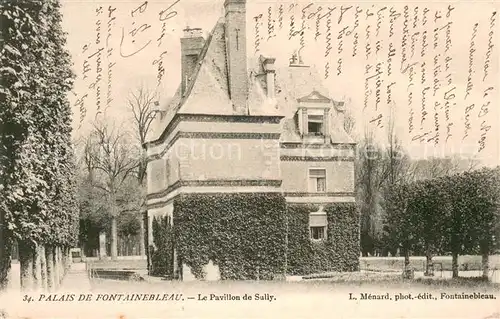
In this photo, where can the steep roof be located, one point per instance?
(296, 82)
(208, 91)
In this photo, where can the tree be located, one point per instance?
(113, 164)
(400, 226)
(434, 167)
(141, 104)
(36, 158)
(482, 202)
(368, 186)
(379, 167)
(430, 208)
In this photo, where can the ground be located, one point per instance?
(319, 298)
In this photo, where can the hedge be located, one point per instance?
(244, 234)
(163, 255)
(339, 252)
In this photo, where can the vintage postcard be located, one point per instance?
(249, 159)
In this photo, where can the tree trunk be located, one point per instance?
(429, 269)
(142, 232)
(49, 259)
(5, 255)
(43, 265)
(67, 259)
(37, 268)
(454, 264)
(102, 245)
(26, 264)
(63, 260)
(57, 270)
(407, 271)
(485, 264)
(59, 266)
(407, 258)
(114, 238)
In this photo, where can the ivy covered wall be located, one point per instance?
(162, 257)
(339, 252)
(243, 234)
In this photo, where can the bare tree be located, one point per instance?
(141, 103)
(434, 167)
(110, 159)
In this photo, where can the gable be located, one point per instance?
(314, 97)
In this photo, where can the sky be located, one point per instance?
(137, 43)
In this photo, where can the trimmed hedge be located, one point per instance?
(244, 234)
(339, 252)
(162, 260)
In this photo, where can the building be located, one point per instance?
(234, 128)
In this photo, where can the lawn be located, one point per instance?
(467, 262)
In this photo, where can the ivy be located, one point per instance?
(244, 234)
(340, 250)
(163, 255)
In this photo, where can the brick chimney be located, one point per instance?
(237, 54)
(191, 45)
(270, 70)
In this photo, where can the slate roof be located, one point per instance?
(208, 92)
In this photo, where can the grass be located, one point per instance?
(467, 262)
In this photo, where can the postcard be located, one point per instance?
(249, 159)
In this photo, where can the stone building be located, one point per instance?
(240, 127)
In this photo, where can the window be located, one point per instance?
(317, 180)
(315, 124)
(318, 232)
(317, 225)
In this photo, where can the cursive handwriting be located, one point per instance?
(161, 70)
(472, 49)
(489, 50)
(271, 33)
(328, 38)
(135, 31)
(258, 37)
(109, 56)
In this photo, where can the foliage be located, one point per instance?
(339, 252)
(378, 168)
(431, 209)
(163, 256)
(458, 213)
(244, 234)
(37, 185)
(108, 187)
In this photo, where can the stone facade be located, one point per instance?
(238, 128)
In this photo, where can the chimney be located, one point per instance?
(340, 112)
(191, 45)
(237, 54)
(270, 70)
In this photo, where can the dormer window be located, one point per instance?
(313, 117)
(315, 124)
